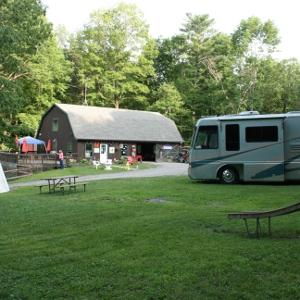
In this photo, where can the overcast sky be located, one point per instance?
(165, 17)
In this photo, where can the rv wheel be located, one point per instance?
(228, 175)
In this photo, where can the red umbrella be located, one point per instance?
(24, 146)
(48, 148)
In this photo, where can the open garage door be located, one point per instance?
(147, 150)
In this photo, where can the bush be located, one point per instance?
(84, 161)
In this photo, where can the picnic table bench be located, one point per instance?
(62, 184)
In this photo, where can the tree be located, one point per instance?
(199, 63)
(113, 58)
(253, 41)
(23, 29)
(168, 102)
(49, 75)
(278, 86)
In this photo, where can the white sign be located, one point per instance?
(96, 150)
(167, 147)
(3, 182)
(111, 150)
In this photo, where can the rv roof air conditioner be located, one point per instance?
(248, 113)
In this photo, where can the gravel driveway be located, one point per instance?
(161, 169)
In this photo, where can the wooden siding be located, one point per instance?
(64, 135)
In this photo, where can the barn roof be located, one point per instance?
(102, 123)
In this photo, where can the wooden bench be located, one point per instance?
(58, 187)
(73, 186)
(264, 214)
(41, 187)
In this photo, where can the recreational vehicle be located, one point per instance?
(246, 147)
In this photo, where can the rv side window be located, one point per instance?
(207, 138)
(232, 137)
(262, 134)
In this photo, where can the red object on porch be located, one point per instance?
(48, 148)
(25, 146)
(139, 158)
(131, 160)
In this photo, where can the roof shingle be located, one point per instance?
(102, 123)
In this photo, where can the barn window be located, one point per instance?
(124, 149)
(88, 150)
(54, 125)
(69, 148)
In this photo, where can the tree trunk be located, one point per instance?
(117, 103)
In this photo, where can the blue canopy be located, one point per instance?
(30, 141)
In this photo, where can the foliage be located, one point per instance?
(113, 58)
(49, 78)
(23, 29)
(216, 73)
(172, 236)
(33, 71)
(168, 101)
(199, 63)
(252, 42)
(113, 61)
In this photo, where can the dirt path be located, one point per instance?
(161, 169)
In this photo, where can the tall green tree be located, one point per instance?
(168, 101)
(113, 58)
(278, 86)
(48, 81)
(23, 29)
(252, 41)
(199, 62)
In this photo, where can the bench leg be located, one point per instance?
(258, 228)
(247, 228)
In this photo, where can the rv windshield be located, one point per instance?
(207, 138)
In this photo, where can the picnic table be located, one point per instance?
(61, 184)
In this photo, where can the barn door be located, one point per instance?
(103, 153)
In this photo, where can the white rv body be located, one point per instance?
(247, 147)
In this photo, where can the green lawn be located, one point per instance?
(112, 243)
(82, 170)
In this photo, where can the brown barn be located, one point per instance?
(107, 133)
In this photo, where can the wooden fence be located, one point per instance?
(17, 165)
(9, 157)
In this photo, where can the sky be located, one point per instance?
(165, 17)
